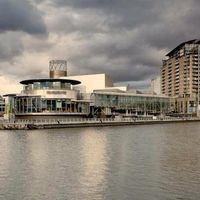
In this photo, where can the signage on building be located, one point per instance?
(57, 92)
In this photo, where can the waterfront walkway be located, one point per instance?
(83, 122)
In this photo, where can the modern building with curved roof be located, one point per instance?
(44, 80)
(176, 50)
(48, 98)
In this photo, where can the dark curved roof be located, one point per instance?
(9, 95)
(182, 44)
(31, 81)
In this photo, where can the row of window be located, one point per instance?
(131, 101)
(47, 85)
(35, 105)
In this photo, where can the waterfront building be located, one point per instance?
(109, 100)
(115, 102)
(64, 97)
(180, 77)
(47, 98)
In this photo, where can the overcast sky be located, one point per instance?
(126, 39)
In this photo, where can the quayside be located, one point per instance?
(75, 123)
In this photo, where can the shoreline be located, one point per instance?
(88, 123)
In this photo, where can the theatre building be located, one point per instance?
(47, 98)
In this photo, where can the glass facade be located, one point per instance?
(57, 85)
(29, 104)
(136, 103)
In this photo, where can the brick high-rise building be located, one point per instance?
(180, 76)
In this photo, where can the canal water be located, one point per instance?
(147, 162)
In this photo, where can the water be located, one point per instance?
(117, 163)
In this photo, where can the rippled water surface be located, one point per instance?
(117, 163)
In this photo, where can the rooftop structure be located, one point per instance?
(49, 80)
(184, 48)
(57, 68)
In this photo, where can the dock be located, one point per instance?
(97, 122)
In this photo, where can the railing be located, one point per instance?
(93, 120)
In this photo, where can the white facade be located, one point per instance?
(91, 82)
(155, 85)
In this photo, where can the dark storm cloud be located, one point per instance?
(125, 38)
(179, 23)
(17, 18)
(161, 23)
(10, 46)
(119, 14)
(20, 15)
(157, 27)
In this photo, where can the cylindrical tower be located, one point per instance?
(57, 68)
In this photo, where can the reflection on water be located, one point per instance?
(93, 159)
(180, 161)
(133, 162)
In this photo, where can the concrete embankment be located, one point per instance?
(88, 123)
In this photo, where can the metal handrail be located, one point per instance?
(92, 120)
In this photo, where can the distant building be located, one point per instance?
(180, 76)
(156, 85)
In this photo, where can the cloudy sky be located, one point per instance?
(126, 39)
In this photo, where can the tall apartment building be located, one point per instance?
(180, 76)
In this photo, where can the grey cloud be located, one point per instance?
(161, 23)
(119, 14)
(179, 23)
(159, 26)
(124, 60)
(125, 38)
(10, 46)
(119, 68)
(20, 15)
(67, 22)
(17, 18)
